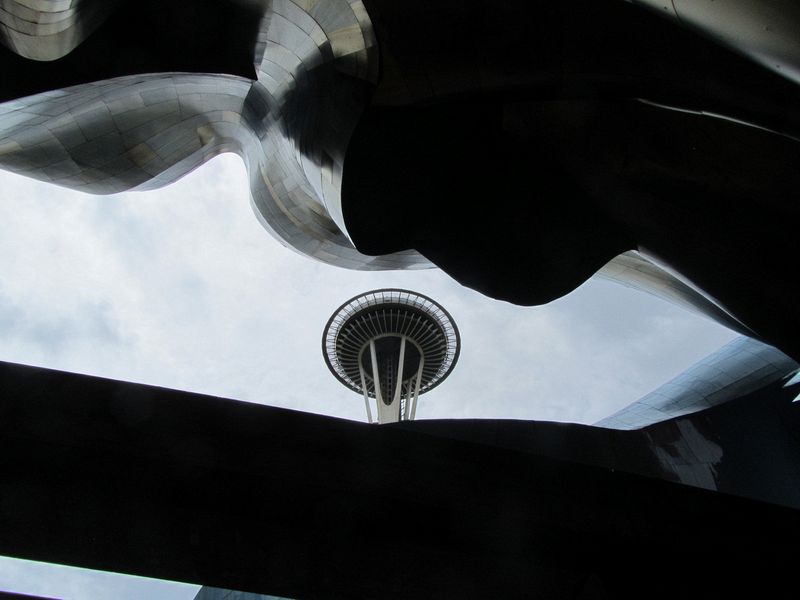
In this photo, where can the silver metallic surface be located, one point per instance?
(210, 593)
(767, 31)
(633, 270)
(738, 368)
(50, 29)
(413, 319)
(315, 64)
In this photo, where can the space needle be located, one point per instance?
(391, 346)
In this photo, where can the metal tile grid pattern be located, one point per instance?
(425, 321)
(50, 29)
(317, 62)
(739, 368)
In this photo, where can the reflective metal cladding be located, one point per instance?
(314, 68)
(318, 67)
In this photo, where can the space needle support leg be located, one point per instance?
(376, 380)
(364, 387)
(398, 388)
(416, 388)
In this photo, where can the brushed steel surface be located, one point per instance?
(316, 63)
(767, 31)
(740, 367)
(50, 29)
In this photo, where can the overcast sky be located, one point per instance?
(182, 288)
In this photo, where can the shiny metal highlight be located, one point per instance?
(50, 29)
(316, 63)
(766, 31)
(735, 370)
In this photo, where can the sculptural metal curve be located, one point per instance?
(317, 68)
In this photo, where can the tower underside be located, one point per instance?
(390, 346)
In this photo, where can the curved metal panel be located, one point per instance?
(763, 30)
(316, 65)
(735, 370)
(50, 29)
(633, 270)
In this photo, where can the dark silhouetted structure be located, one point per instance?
(520, 146)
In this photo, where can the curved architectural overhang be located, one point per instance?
(638, 272)
(50, 29)
(736, 370)
(765, 31)
(316, 65)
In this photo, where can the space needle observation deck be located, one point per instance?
(391, 345)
